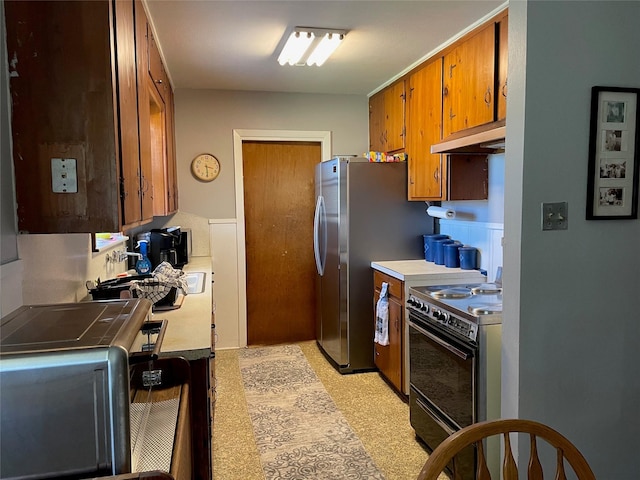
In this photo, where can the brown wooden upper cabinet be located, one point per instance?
(158, 119)
(424, 128)
(463, 86)
(468, 83)
(386, 119)
(81, 152)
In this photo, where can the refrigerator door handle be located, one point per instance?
(318, 222)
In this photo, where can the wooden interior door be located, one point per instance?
(279, 202)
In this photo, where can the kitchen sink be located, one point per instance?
(195, 282)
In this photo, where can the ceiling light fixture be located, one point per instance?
(310, 46)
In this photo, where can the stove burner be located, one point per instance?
(488, 309)
(486, 289)
(455, 292)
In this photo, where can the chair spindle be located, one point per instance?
(560, 475)
(482, 472)
(535, 468)
(509, 468)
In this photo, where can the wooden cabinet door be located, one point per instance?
(468, 93)
(424, 128)
(394, 116)
(388, 358)
(156, 67)
(144, 120)
(128, 101)
(503, 58)
(377, 123)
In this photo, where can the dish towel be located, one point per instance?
(162, 280)
(382, 317)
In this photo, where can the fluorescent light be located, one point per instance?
(325, 48)
(295, 47)
(310, 46)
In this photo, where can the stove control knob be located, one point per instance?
(424, 307)
(445, 317)
(435, 313)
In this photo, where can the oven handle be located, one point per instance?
(435, 416)
(440, 342)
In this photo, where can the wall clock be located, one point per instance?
(205, 167)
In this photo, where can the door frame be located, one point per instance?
(240, 135)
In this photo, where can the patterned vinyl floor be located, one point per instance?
(377, 416)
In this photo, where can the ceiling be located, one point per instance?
(234, 44)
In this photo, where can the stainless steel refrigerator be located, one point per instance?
(362, 215)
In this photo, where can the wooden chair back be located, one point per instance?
(445, 453)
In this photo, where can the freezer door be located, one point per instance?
(332, 308)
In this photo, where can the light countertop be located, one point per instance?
(189, 330)
(421, 270)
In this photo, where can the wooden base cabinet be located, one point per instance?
(389, 358)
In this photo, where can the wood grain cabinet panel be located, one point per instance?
(424, 128)
(156, 120)
(377, 141)
(74, 91)
(387, 119)
(79, 92)
(394, 102)
(469, 74)
(388, 358)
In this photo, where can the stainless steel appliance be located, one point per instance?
(454, 345)
(74, 378)
(361, 215)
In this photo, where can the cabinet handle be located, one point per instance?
(445, 91)
(451, 114)
(159, 81)
(436, 175)
(504, 88)
(487, 97)
(451, 67)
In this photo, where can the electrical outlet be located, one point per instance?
(64, 175)
(555, 216)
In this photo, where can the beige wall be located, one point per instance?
(205, 120)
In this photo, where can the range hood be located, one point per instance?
(484, 139)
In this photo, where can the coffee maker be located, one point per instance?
(168, 245)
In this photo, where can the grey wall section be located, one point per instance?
(573, 322)
(205, 120)
(8, 241)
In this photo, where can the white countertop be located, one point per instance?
(189, 330)
(420, 270)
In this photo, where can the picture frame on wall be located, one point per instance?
(612, 188)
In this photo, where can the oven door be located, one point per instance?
(443, 381)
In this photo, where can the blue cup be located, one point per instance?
(452, 255)
(468, 258)
(438, 249)
(428, 245)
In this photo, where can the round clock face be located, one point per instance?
(205, 167)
